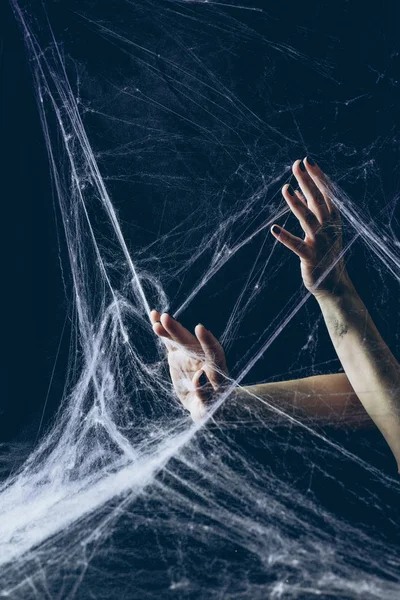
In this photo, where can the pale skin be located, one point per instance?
(367, 392)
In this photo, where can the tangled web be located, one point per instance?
(170, 128)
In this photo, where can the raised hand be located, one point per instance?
(321, 223)
(196, 362)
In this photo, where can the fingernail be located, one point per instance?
(203, 379)
(202, 325)
(290, 190)
(168, 315)
(310, 161)
(275, 229)
(158, 322)
(302, 167)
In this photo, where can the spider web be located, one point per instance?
(170, 129)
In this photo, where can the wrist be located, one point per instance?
(342, 288)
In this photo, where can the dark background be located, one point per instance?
(340, 106)
(348, 116)
(32, 299)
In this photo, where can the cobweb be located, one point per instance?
(170, 129)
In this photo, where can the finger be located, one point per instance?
(160, 331)
(158, 327)
(196, 404)
(320, 180)
(203, 387)
(306, 217)
(178, 333)
(214, 355)
(154, 316)
(297, 245)
(315, 199)
(300, 196)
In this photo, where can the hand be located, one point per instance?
(196, 362)
(321, 223)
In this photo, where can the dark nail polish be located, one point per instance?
(302, 167)
(276, 229)
(203, 379)
(158, 322)
(310, 161)
(290, 190)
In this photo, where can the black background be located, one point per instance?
(32, 304)
(345, 104)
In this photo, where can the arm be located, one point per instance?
(371, 369)
(330, 398)
(370, 366)
(372, 373)
(327, 397)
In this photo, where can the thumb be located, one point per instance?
(198, 403)
(215, 363)
(203, 387)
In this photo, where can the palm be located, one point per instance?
(323, 251)
(183, 369)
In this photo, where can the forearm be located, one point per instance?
(371, 368)
(328, 398)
